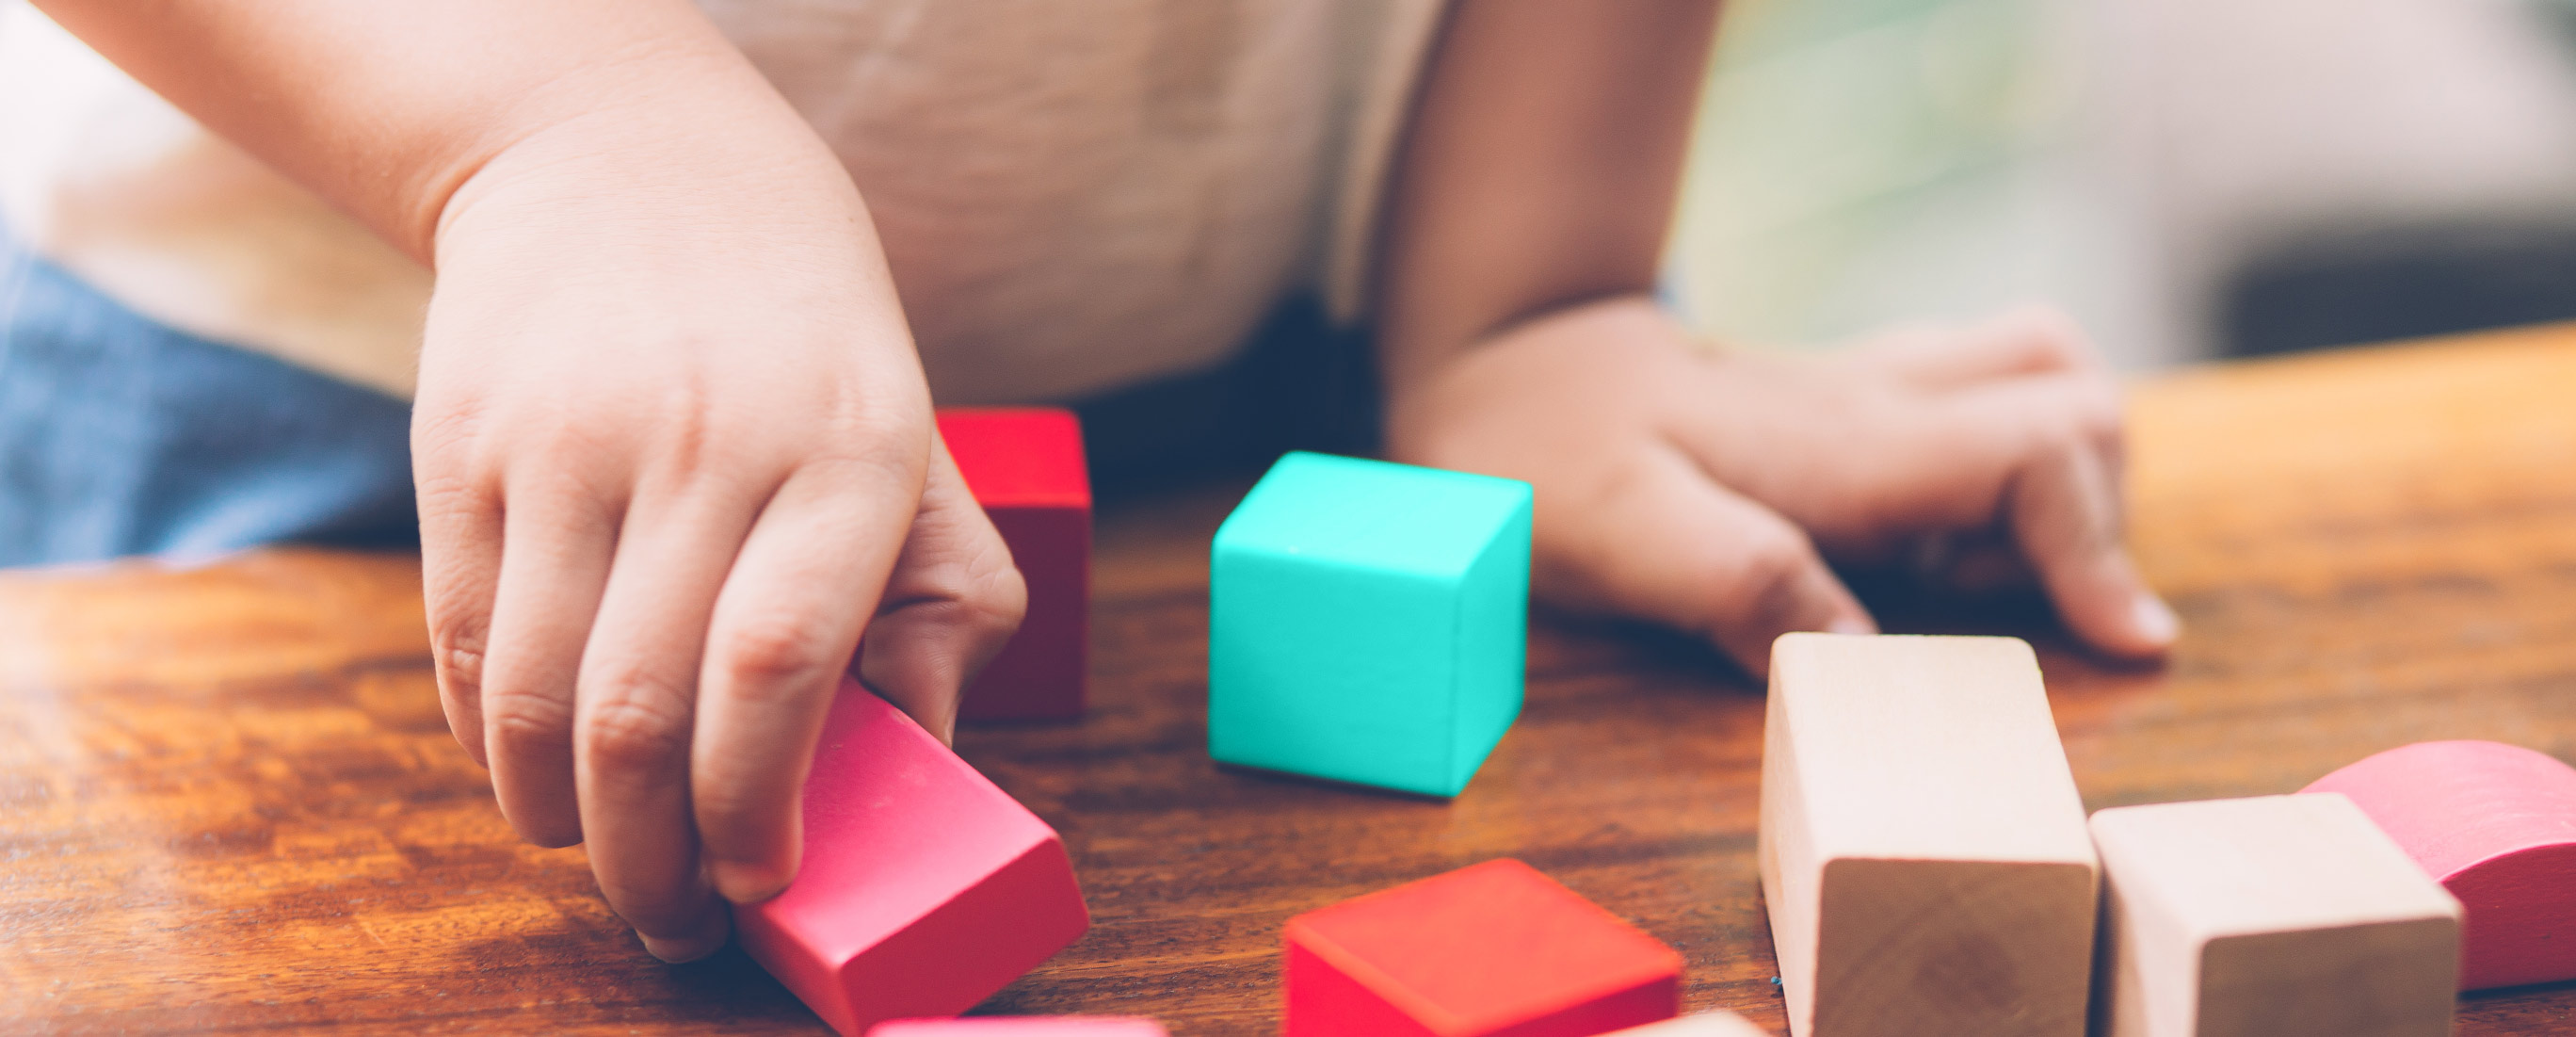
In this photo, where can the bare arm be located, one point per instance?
(1542, 169)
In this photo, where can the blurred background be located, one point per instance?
(2190, 178)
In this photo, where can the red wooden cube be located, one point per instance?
(924, 887)
(1492, 950)
(1025, 466)
(1024, 1026)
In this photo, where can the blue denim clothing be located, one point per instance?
(119, 436)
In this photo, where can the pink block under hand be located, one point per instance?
(924, 887)
(2496, 825)
(1024, 1026)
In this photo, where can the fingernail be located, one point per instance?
(2155, 620)
(743, 882)
(1851, 625)
(682, 950)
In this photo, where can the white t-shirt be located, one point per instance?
(1072, 195)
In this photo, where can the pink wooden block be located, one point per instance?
(2496, 825)
(924, 887)
(1024, 1026)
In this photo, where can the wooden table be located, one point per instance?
(227, 799)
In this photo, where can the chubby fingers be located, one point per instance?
(460, 553)
(784, 627)
(955, 599)
(1664, 541)
(637, 703)
(559, 543)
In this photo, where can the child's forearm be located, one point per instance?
(1541, 169)
(387, 109)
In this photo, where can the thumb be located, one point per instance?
(1670, 544)
(953, 601)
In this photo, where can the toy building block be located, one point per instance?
(924, 887)
(1366, 622)
(1025, 466)
(1024, 1026)
(2496, 825)
(2277, 916)
(1490, 949)
(1922, 847)
(1705, 1024)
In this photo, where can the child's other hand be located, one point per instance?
(672, 442)
(1705, 489)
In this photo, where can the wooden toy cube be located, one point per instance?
(2495, 824)
(1704, 1024)
(1491, 949)
(1025, 466)
(1922, 847)
(1023, 1026)
(923, 889)
(1366, 622)
(2277, 916)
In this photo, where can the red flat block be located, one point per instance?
(1024, 1026)
(1492, 950)
(1025, 466)
(924, 887)
(2496, 825)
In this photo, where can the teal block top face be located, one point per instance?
(1367, 622)
(1374, 514)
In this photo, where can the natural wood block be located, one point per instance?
(1922, 846)
(1492, 950)
(2495, 824)
(1026, 466)
(2277, 916)
(1023, 1026)
(924, 887)
(1704, 1024)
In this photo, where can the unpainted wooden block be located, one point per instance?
(1491, 950)
(1023, 1026)
(2276, 916)
(1026, 466)
(1704, 1024)
(2495, 824)
(924, 887)
(1923, 851)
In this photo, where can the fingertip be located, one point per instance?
(2154, 622)
(749, 882)
(683, 950)
(714, 925)
(1859, 624)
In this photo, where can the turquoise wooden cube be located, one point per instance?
(1367, 621)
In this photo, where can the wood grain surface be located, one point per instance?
(228, 801)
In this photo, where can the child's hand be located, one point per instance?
(1699, 488)
(672, 442)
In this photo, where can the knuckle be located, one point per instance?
(519, 717)
(457, 656)
(443, 430)
(998, 603)
(731, 804)
(775, 650)
(632, 730)
(1766, 570)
